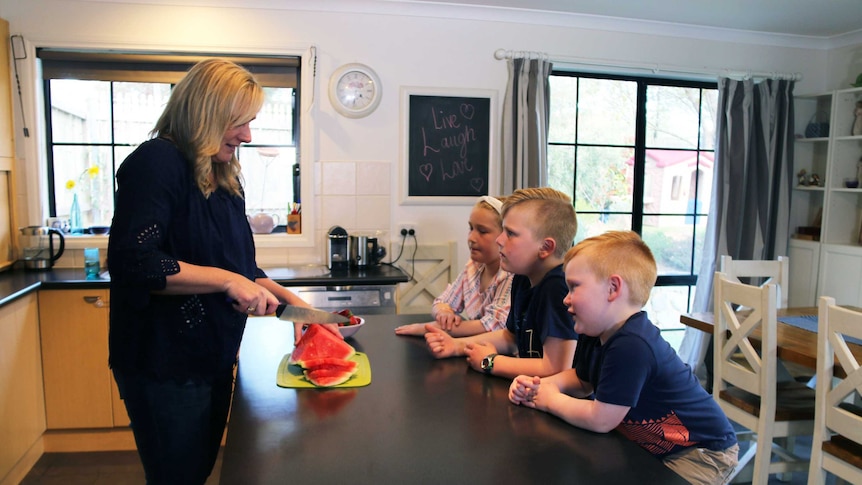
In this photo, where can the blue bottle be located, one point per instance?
(75, 223)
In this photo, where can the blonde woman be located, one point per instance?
(183, 272)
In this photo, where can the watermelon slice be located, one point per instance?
(319, 343)
(330, 363)
(327, 377)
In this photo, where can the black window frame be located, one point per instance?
(640, 150)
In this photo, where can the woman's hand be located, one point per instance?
(249, 297)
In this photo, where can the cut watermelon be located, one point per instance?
(327, 377)
(319, 343)
(330, 363)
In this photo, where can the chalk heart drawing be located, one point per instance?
(477, 184)
(468, 111)
(425, 169)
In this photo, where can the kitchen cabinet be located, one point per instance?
(22, 404)
(7, 155)
(79, 389)
(830, 264)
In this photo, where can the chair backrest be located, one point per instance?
(836, 395)
(737, 362)
(768, 271)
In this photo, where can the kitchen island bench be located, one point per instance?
(420, 420)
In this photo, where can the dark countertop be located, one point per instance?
(18, 282)
(420, 421)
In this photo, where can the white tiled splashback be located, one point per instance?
(354, 195)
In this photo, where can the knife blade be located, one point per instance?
(308, 315)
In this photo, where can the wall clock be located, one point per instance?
(355, 90)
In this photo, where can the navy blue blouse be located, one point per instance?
(160, 218)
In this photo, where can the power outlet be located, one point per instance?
(407, 229)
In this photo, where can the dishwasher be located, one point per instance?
(361, 300)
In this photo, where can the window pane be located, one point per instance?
(561, 168)
(672, 117)
(80, 111)
(274, 123)
(563, 109)
(665, 305)
(675, 179)
(670, 238)
(268, 179)
(85, 171)
(604, 179)
(607, 112)
(708, 109)
(137, 107)
(591, 224)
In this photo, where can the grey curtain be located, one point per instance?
(749, 214)
(525, 125)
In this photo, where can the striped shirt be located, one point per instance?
(464, 296)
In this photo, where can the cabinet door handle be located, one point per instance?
(95, 300)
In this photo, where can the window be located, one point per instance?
(636, 153)
(100, 106)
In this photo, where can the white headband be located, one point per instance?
(493, 202)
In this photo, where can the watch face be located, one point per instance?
(356, 90)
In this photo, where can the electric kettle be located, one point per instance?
(365, 252)
(37, 245)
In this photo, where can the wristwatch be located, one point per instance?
(488, 363)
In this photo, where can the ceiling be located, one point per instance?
(809, 18)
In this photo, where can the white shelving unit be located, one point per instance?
(833, 265)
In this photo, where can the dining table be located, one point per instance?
(796, 333)
(419, 420)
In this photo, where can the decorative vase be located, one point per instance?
(76, 225)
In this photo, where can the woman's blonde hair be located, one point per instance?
(553, 215)
(622, 253)
(214, 96)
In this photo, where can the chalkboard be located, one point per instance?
(449, 146)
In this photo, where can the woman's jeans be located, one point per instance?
(178, 426)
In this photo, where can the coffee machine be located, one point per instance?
(337, 249)
(37, 245)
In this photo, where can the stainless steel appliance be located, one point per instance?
(361, 300)
(364, 251)
(37, 246)
(337, 249)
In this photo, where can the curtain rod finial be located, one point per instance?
(500, 54)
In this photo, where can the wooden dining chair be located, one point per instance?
(745, 381)
(837, 444)
(775, 271)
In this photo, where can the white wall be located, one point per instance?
(424, 49)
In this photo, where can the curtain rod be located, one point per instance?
(501, 54)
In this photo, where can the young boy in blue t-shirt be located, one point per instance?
(626, 376)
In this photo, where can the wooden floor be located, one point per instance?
(98, 468)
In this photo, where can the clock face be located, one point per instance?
(354, 90)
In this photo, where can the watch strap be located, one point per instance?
(490, 366)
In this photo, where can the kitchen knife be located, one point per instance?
(308, 315)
